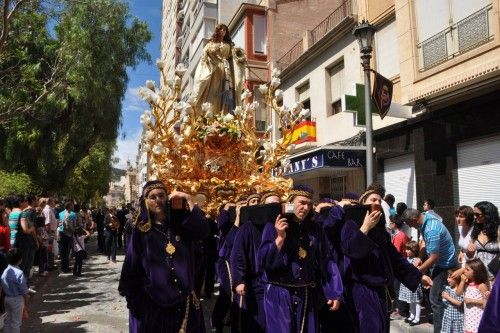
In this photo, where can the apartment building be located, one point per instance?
(322, 71)
(449, 57)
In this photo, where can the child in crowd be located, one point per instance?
(475, 279)
(15, 288)
(405, 294)
(79, 250)
(453, 317)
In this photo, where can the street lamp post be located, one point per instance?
(364, 32)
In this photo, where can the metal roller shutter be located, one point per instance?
(399, 179)
(479, 171)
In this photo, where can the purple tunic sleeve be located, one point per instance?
(238, 256)
(196, 224)
(270, 258)
(131, 278)
(490, 321)
(355, 244)
(223, 222)
(404, 271)
(332, 281)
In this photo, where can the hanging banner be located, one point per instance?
(382, 94)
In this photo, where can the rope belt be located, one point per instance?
(306, 287)
(196, 303)
(289, 285)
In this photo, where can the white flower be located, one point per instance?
(181, 106)
(168, 164)
(185, 157)
(150, 85)
(263, 89)
(149, 134)
(275, 82)
(180, 69)
(209, 114)
(238, 110)
(228, 117)
(305, 113)
(145, 119)
(206, 107)
(178, 139)
(147, 146)
(278, 93)
(253, 106)
(158, 149)
(267, 146)
(246, 94)
(163, 94)
(160, 64)
(188, 109)
(276, 72)
(170, 83)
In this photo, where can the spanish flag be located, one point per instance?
(304, 131)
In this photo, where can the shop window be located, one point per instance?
(337, 187)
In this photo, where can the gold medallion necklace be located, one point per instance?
(170, 247)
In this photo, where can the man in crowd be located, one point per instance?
(440, 250)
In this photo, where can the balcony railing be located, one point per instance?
(457, 39)
(331, 21)
(318, 32)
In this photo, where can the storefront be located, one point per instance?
(330, 170)
(451, 154)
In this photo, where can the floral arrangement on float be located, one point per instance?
(212, 155)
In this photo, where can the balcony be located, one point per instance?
(317, 33)
(457, 39)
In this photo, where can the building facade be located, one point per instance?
(449, 150)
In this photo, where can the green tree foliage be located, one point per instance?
(16, 183)
(65, 88)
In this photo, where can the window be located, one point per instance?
(387, 50)
(261, 115)
(302, 96)
(336, 87)
(337, 187)
(238, 36)
(259, 34)
(448, 28)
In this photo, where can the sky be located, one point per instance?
(132, 105)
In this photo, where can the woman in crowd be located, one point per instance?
(484, 237)
(157, 277)
(464, 215)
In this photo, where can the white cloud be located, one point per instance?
(127, 149)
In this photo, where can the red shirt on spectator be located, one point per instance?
(4, 238)
(399, 241)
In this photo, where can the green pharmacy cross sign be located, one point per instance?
(356, 104)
